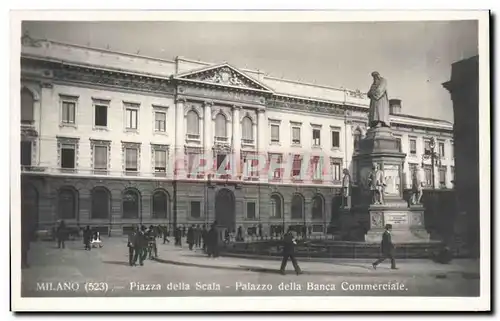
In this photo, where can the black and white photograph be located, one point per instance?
(237, 156)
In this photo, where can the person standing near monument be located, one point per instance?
(378, 115)
(387, 248)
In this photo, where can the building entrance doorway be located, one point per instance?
(225, 211)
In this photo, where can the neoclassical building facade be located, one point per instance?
(112, 139)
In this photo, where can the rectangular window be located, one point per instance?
(452, 150)
(413, 170)
(316, 137)
(160, 121)
(413, 146)
(195, 209)
(131, 118)
(452, 174)
(441, 149)
(427, 145)
(250, 163)
(428, 175)
(68, 156)
(101, 158)
(296, 166)
(251, 210)
(335, 139)
(278, 159)
(398, 144)
(442, 176)
(101, 116)
(275, 133)
(131, 159)
(68, 112)
(160, 161)
(26, 153)
(336, 164)
(296, 135)
(317, 166)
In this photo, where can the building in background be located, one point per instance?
(111, 139)
(464, 91)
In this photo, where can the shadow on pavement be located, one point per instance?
(116, 263)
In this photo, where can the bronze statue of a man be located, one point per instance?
(376, 184)
(378, 115)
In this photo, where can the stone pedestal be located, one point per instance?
(407, 224)
(380, 147)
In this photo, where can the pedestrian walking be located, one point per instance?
(387, 248)
(289, 252)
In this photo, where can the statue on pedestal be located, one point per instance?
(416, 187)
(346, 189)
(376, 183)
(378, 115)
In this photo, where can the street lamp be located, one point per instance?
(434, 157)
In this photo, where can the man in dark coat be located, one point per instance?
(387, 248)
(61, 234)
(204, 235)
(289, 252)
(130, 244)
(213, 242)
(140, 246)
(190, 237)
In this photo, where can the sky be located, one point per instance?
(414, 57)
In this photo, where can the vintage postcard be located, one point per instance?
(250, 161)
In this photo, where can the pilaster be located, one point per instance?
(236, 141)
(179, 138)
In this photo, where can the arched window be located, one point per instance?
(193, 123)
(67, 203)
(27, 106)
(130, 204)
(220, 125)
(101, 203)
(247, 128)
(297, 206)
(160, 204)
(357, 138)
(317, 207)
(276, 206)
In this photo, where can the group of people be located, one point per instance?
(142, 243)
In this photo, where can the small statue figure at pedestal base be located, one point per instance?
(346, 189)
(376, 183)
(417, 188)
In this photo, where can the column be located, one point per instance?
(179, 138)
(235, 166)
(208, 135)
(262, 130)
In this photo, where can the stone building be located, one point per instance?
(464, 92)
(109, 139)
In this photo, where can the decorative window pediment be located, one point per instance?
(225, 75)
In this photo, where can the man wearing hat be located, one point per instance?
(387, 248)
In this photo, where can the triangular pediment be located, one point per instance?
(225, 75)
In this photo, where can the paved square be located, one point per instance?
(73, 272)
